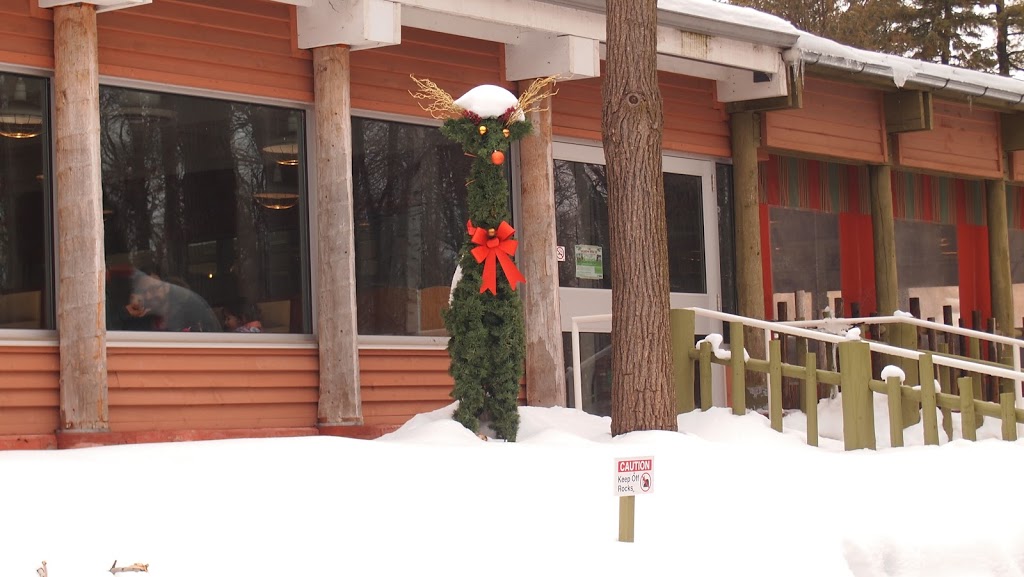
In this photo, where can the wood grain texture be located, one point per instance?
(81, 322)
(965, 140)
(26, 34)
(545, 362)
(336, 299)
(837, 120)
(29, 391)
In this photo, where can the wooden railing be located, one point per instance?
(692, 366)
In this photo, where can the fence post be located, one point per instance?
(894, 394)
(739, 369)
(855, 380)
(705, 376)
(967, 413)
(927, 372)
(775, 384)
(682, 323)
(1009, 416)
(811, 398)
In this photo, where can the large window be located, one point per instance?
(25, 247)
(410, 213)
(805, 260)
(927, 267)
(204, 205)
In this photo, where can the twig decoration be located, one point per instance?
(134, 567)
(440, 103)
(42, 572)
(529, 101)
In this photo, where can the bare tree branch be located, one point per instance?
(134, 567)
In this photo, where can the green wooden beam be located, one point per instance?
(908, 111)
(1013, 132)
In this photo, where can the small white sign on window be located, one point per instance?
(589, 263)
(560, 253)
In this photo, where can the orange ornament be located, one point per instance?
(498, 157)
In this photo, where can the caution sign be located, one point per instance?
(633, 476)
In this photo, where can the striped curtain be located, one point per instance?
(1015, 206)
(938, 199)
(813, 185)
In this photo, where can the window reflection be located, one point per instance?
(805, 259)
(927, 267)
(581, 212)
(204, 214)
(25, 249)
(410, 212)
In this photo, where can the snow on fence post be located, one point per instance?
(738, 367)
(894, 392)
(1009, 415)
(855, 380)
(967, 412)
(811, 397)
(926, 372)
(682, 323)
(775, 383)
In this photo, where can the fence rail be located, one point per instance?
(939, 390)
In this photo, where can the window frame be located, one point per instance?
(155, 339)
(42, 337)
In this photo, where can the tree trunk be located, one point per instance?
(643, 397)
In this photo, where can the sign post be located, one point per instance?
(632, 478)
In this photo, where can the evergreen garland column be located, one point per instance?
(487, 342)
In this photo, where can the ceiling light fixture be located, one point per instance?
(19, 119)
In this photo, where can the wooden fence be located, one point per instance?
(853, 377)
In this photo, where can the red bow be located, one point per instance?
(495, 245)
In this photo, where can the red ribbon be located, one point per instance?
(500, 247)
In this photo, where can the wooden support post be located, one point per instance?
(745, 137)
(627, 518)
(894, 394)
(884, 238)
(858, 411)
(999, 257)
(927, 371)
(775, 384)
(739, 371)
(811, 398)
(682, 323)
(967, 412)
(337, 336)
(81, 322)
(545, 363)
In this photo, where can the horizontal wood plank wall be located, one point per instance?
(380, 77)
(1017, 166)
(694, 121)
(243, 46)
(29, 390)
(965, 140)
(395, 385)
(837, 120)
(26, 34)
(183, 389)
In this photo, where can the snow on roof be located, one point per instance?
(814, 50)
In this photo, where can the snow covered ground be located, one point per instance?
(730, 497)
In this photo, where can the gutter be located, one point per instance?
(919, 80)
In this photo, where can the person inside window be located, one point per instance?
(242, 318)
(176, 308)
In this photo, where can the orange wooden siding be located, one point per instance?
(380, 77)
(241, 46)
(397, 384)
(1017, 166)
(26, 33)
(694, 121)
(172, 389)
(29, 390)
(965, 140)
(837, 120)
